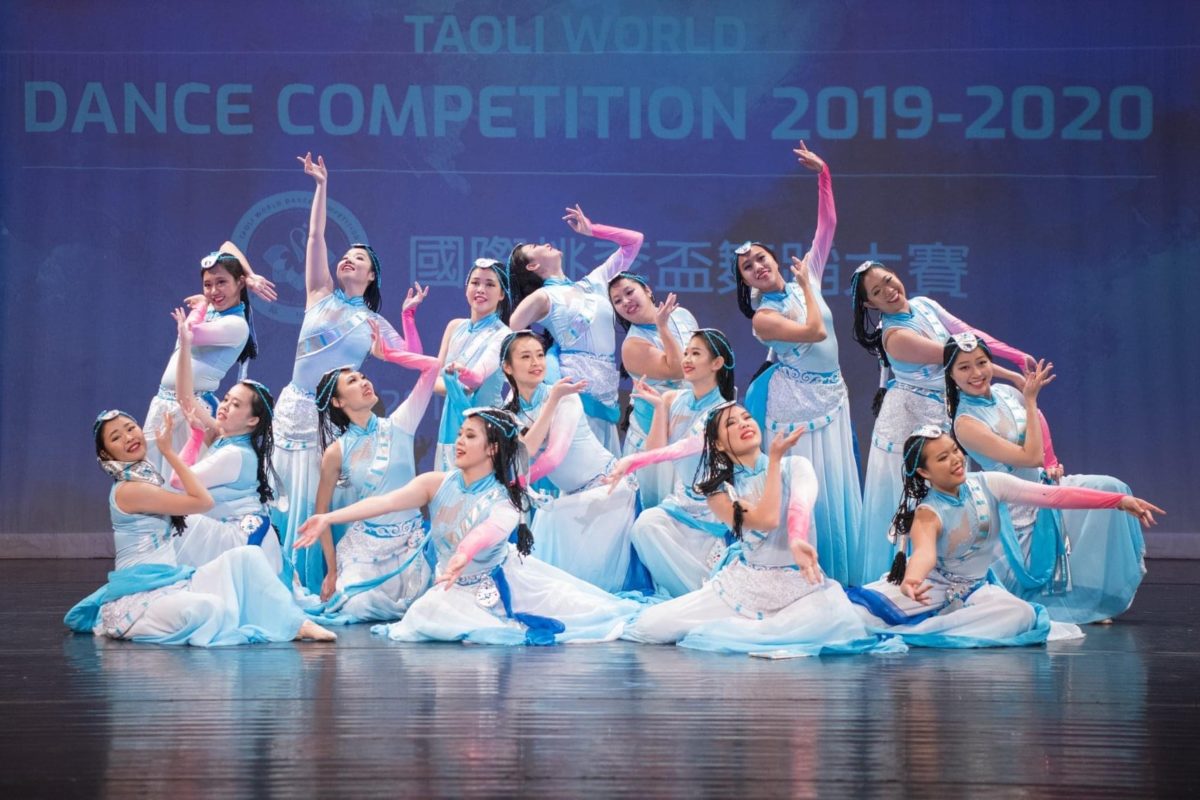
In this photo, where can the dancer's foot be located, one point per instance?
(313, 631)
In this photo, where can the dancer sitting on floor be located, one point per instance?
(576, 315)
(585, 530)
(487, 591)
(1082, 565)
(233, 599)
(653, 352)
(236, 469)
(770, 595)
(382, 564)
(943, 596)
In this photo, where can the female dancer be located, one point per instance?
(222, 333)
(941, 596)
(653, 351)
(471, 353)
(909, 339)
(993, 423)
(576, 315)
(334, 332)
(804, 387)
(236, 468)
(488, 594)
(234, 599)
(381, 564)
(770, 594)
(680, 541)
(585, 530)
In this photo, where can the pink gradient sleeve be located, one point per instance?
(630, 243)
(1019, 492)
(408, 323)
(998, 348)
(690, 446)
(802, 495)
(826, 225)
(491, 531)
(393, 339)
(1048, 458)
(558, 441)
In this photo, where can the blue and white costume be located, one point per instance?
(1103, 548)
(233, 599)
(335, 333)
(804, 389)
(383, 562)
(230, 473)
(585, 530)
(680, 541)
(965, 608)
(224, 337)
(759, 600)
(476, 346)
(654, 482)
(500, 597)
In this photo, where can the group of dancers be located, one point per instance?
(553, 517)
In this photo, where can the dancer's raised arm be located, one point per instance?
(318, 280)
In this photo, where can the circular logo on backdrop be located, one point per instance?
(274, 234)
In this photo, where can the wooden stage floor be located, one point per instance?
(1117, 715)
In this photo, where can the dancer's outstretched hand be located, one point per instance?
(316, 169)
(578, 221)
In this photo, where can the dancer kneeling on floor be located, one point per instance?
(943, 595)
(149, 597)
(487, 591)
(770, 594)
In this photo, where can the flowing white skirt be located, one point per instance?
(588, 534)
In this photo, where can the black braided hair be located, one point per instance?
(514, 401)
(949, 353)
(262, 438)
(524, 282)
(915, 490)
(504, 466)
(372, 296)
(332, 421)
(230, 264)
(716, 467)
(866, 332)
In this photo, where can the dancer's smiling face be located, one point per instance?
(355, 272)
(883, 290)
(632, 300)
(121, 439)
(484, 291)
(221, 290)
(738, 434)
(972, 372)
(943, 464)
(699, 363)
(759, 269)
(525, 361)
(471, 448)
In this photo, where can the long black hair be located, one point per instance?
(514, 401)
(372, 297)
(716, 467)
(867, 332)
(332, 421)
(262, 438)
(915, 490)
(718, 344)
(744, 299)
(178, 523)
(950, 352)
(523, 281)
(503, 433)
(233, 266)
(505, 306)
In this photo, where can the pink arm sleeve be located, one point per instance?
(690, 446)
(393, 339)
(1048, 458)
(802, 495)
(998, 348)
(826, 225)
(408, 414)
(630, 242)
(491, 531)
(220, 332)
(1014, 490)
(191, 450)
(408, 323)
(558, 441)
(488, 363)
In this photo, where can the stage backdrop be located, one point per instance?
(1031, 166)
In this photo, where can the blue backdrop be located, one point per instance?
(1032, 166)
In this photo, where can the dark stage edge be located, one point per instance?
(1117, 715)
